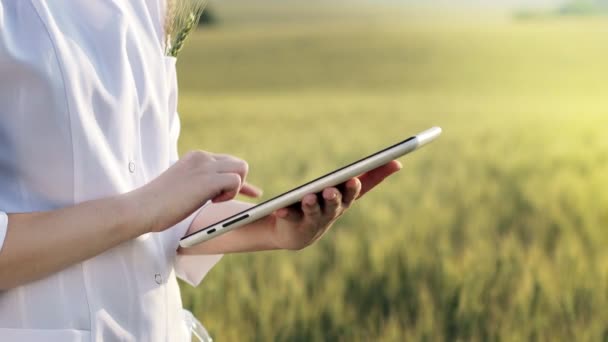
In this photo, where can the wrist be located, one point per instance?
(132, 208)
(273, 236)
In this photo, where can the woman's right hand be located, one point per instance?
(41, 243)
(192, 181)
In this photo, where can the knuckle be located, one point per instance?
(234, 180)
(187, 158)
(244, 166)
(339, 197)
(197, 157)
(190, 155)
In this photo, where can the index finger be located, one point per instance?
(250, 190)
(370, 179)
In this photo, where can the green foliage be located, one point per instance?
(578, 8)
(570, 8)
(582, 7)
(207, 17)
(497, 231)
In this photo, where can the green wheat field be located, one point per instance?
(498, 231)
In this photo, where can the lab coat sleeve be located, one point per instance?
(193, 268)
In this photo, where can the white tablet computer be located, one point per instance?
(291, 197)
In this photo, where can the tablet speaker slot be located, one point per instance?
(211, 231)
(230, 223)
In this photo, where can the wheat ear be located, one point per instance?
(181, 36)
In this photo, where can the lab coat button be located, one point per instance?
(158, 278)
(131, 167)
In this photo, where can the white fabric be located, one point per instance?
(189, 270)
(3, 227)
(88, 110)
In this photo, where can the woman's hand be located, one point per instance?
(299, 226)
(289, 228)
(192, 181)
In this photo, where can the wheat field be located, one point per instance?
(498, 231)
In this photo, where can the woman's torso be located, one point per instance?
(86, 103)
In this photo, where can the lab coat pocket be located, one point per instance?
(47, 335)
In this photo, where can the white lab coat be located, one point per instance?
(88, 110)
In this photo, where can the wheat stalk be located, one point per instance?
(181, 18)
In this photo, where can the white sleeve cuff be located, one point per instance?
(193, 268)
(3, 228)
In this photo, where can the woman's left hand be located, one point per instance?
(299, 226)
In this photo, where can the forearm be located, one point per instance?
(38, 244)
(256, 236)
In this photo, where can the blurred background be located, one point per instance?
(497, 231)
